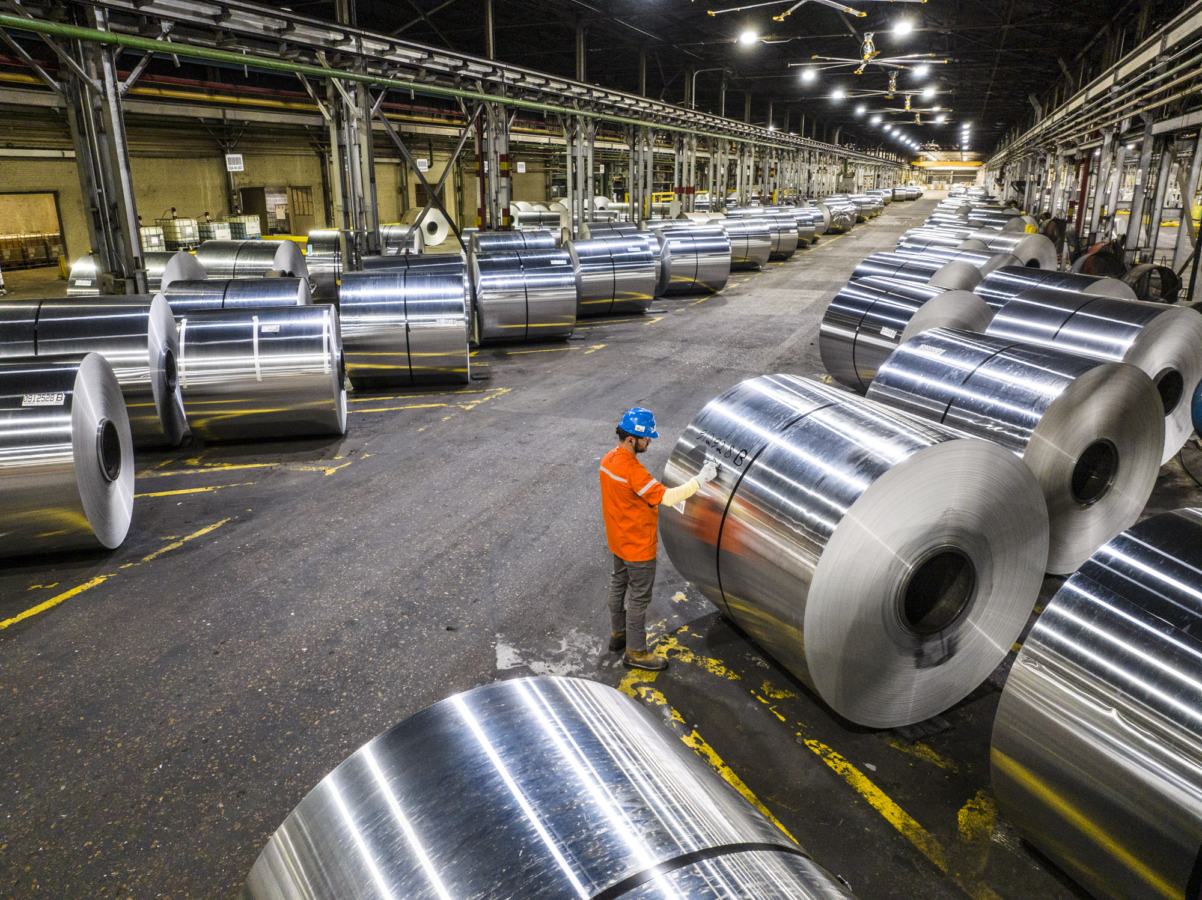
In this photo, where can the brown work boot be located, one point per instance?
(617, 641)
(641, 659)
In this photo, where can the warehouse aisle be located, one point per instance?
(275, 606)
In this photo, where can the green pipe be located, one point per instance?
(149, 45)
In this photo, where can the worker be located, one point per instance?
(630, 501)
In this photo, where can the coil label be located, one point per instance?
(269, 329)
(889, 332)
(57, 399)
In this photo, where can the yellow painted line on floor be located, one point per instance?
(199, 490)
(175, 546)
(611, 322)
(423, 396)
(975, 820)
(53, 601)
(919, 750)
(395, 408)
(206, 469)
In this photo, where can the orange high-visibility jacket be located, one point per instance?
(630, 503)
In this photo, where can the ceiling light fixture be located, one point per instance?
(939, 120)
(748, 37)
(808, 75)
(903, 27)
(875, 120)
(928, 92)
(860, 110)
(920, 71)
(838, 94)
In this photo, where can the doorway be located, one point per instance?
(31, 230)
(282, 209)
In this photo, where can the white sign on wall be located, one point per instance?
(233, 162)
(521, 168)
(423, 165)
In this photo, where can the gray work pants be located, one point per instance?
(630, 615)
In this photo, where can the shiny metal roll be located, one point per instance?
(1033, 250)
(84, 278)
(1095, 755)
(536, 219)
(524, 295)
(251, 259)
(137, 336)
(920, 269)
(984, 263)
(496, 241)
(398, 239)
(782, 228)
(562, 787)
(190, 296)
(262, 373)
(613, 275)
(841, 215)
(591, 230)
(750, 241)
(66, 457)
(323, 260)
(810, 223)
(164, 268)
(1089, 430)
(888, 563)
(1164, 341)
(886, 197)
(918, 240)
(698, 259)
(19, 327)
(869, 319)
(404, 326)
(1002, 285)
(870, 207)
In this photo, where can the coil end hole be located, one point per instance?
(939, 590)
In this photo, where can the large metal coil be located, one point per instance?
(870, 206)
(1164, 341)
(984, 263)
(750, 241)
(919, 240)
(66, 457)
(1032, 250)
(1095, 751)
(536, 218)
(263, 373)
(498, 241)
(920, 269)
(405, 326)
(591, 230)
(1089, 430)
(1003, 284)
(885, 196)
(135, 334)
(432, 263)
(888, 563)
(869, 319)
(782, 225)
(251, 259)
(693, 259)
(561, 787)
(397, 238)
(84, 278)
(323, 259)
(613, 275)
(524, 295)
(840, 215)
(190, 296)
(810, 223)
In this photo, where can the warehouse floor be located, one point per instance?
(275, 606)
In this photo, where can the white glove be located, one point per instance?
(708, 472)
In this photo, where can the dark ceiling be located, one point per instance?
(1000, 54)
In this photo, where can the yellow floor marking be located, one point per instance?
(326, 470)
(193, 536)
(669, 646)
(1016, 647)
(396, 408)
(33, 586)
(1074, 818)
(926, 754)
(422, 396)
(199, 490)
(777, 693)
(206, 469)
(593, 349)
(976, 820)
(53, 601)
(611, 322)
(545, 350)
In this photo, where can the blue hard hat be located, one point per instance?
(639, 422)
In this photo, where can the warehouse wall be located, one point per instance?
(51, 175)
(22, 213)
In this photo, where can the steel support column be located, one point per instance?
(1143, 171)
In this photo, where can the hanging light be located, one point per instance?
(875, 120)
(940, 119)
(838, 94)
(808, 75)
(860, 110)
(928, 92)
(921, 70)
(748, 37)
(903, 27)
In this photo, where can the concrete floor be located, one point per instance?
(276, 606)
(41, 283)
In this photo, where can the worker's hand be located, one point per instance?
(708, 472)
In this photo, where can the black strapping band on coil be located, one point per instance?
(614, 891)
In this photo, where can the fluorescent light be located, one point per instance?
(838, 94)
(875, 120)
(939, 120)
(929, 91)
(903, 27)
(921, 70)
(860, 110)
(748, 37)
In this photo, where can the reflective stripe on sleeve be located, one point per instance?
(647, 485)
(615, 477)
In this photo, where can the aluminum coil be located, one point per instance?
(398, 239)
(782, 226)
(591, 230)
(984, 263)
(1164, 341)
(919, 269)
(869, 319)
(1088, 429)
(66, 457)
(841, 215)
(251, 259)
(405, 327)
(497, 241)
(613, 275)
(137, 336)
(84, 278)
(1095, 744)
(431, 263)
(323, 259)
(750, 241)
(164, 268)
(695, 259)
(886, 562)
(262, 374)
(536, 219)
(526, 295)
(191, 296)
(810, 223)
(1002, 285)
(919, 240)
(561, 787)
(1033, 250)
(869, 207)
